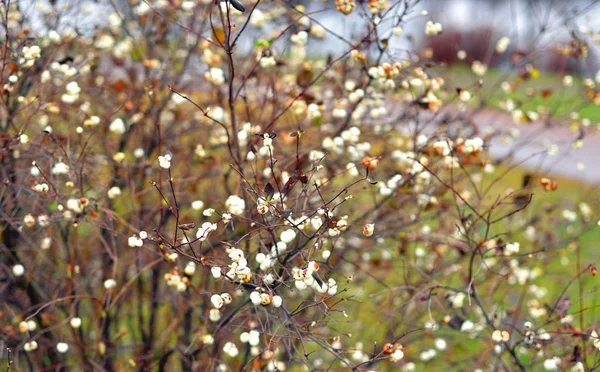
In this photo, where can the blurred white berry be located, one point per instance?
(190, 268)
(117, 126)
(235, 204)
(18, 270)
(30, 346)
(113, 192)
(217, 301)
(255, 298)
(287, 236)
(277, 301)
(433, 28)
(368, 229)
(60, 168)
(110, 283)
(164, 161)
(214, 315)
(75, 322)
(62, 347)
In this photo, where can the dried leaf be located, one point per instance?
(187, 226)
(219, 35)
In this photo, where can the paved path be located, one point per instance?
(530, 147)
(535, 138)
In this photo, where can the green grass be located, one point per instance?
(561, 102)
(373, 310)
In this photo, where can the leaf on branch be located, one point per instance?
(288, 185)
(187, 226)
(219, 35)
(237, 5)
(269, 191)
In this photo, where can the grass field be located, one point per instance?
(560, 263)
(543, 89)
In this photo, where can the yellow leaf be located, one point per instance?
(219, 35)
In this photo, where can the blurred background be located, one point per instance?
(470, 25)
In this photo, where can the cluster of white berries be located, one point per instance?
(428, 355)
(267, 149)
(239, 266)
(30, 54)
(76, 205)
(215, 76)
(262, 298)
(393, 351)
(354, 94)
(30, 346)
(299, 38)
(258, 19)
(377, 6)
(164, 161)
(60, 168)
(180, 283)
(433, 28)
(511, 248)
(267, 62)
(267, 261)
(27, 326)
(137, 240)
(471, 145)
(536, 310)
(305, 278)
(500, 336)
(443, 147)
(384, 74)
(230, 349)
(220, 300)
(348, 140)
(72, 93)
(235, 205)
(552, 364)
(205, 229)
(479, 68)
(252, 338)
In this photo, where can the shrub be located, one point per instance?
(170, 203)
